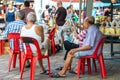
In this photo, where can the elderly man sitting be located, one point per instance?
(15, 26)
(90, 42)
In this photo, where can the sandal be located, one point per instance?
(56, 75)
(59, 68)
(73, 72)
(43, 72)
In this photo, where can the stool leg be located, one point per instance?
(53, 46)
(22, 67)
(14, 60)
(95, 65)
(20, 62)
(33, 67)
(49, 70)
(83, 66)
(79, 67)
(89, 66)
(102, 66)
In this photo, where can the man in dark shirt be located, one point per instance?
(60, 19)
(60, 14)
(27, 9)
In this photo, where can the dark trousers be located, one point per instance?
(68, 46)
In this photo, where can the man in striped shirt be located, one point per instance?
(15, 26)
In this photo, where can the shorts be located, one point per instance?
(60, 33)
(79, 54)
(61, 30)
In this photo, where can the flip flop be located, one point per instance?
(43, 72)
(59, 68)
(56, 75)
(73, 72)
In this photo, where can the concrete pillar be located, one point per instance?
(89, 5)
(37, 8)
(80, 10)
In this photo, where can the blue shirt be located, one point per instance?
(68, 37)
(14, 27)
(92, 38)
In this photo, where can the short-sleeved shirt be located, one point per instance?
(14, 27)
(61, 15)
(92, 38)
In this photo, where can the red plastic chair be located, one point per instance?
(28, 55)
(52, 41)
(16, 51)
(81, 61)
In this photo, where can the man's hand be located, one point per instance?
(73, 51)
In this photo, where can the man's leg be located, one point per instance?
(68, 46)
(41, 65)
(48, 47)
(66, 64)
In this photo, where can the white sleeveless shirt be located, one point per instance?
(31, 33)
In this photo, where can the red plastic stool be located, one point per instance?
(28, 55)
(15, 52)
(94, 57)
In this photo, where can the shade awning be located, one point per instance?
(19, 0)
(72, 0)
(109, 1)
(67, 0)
(102, 4)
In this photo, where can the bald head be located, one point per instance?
(90, 20)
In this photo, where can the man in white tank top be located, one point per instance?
(35, 31)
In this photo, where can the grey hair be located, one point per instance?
(20, 14)
(31, 17)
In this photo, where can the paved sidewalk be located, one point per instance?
(113, 68)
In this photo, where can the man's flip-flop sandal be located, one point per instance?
(56, 75)
(44, 72)
(73, 72)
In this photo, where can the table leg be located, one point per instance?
(112, 53)
(1, 47)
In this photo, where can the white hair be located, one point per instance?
(31, 17)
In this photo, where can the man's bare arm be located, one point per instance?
(40, 31)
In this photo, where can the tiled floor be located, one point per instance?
(113, 68)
